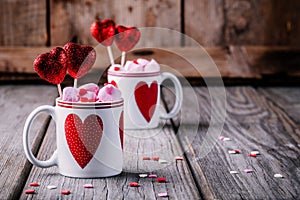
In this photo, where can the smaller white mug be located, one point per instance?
(89, 138)
(141, 93)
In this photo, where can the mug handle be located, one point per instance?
(178, 95)
(53, 160)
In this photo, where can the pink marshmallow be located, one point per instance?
(88, 97)
(133, 67)
(91, 87)
(70, 94)
(152, 66)
(109, 93)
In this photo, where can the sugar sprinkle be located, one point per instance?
(163, 194)
(88, 185)
(233, 172)
(278, 176)
(143, 175)
(248, 170)
(161, 161)
(51, 187)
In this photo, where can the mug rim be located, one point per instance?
(89, 105)
(133, 74)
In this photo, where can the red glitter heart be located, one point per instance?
(83, 138)
(126, 38)
(52, 66)
(80, 59)
(103, 31)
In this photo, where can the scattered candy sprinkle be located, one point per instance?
(161, 161)
(152, 176)
(161, 180)
(226, 139)
(221, 137)
(156, 158)
(146, 158)
(51, 187)
(29, 191)
(143, 175)
(88, 185)
(255, 152)
(178, 158)
(134, 184)
(234, 151)
(248, 170)
(233, 172)
(34, 184)
(65, 192)
(164, 194)
(252, 155)
(278, 176)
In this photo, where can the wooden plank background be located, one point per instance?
(209, 22)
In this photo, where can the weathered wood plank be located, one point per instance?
(253, 123)
(157, 142)
(23, 23)
(16, 103)
(70, 20)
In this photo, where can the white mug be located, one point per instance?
(141, 94)
(89, 138)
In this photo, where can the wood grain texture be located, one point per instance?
(70, 20)
(16, 103)
(156, 142)
(254, 122)
(23, 23)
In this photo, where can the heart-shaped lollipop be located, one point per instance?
(52, 66)
(103, 31)
(126, 37)
(80, 59)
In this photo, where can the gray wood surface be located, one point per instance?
(254, 122)
(156, 142)
(16, 102)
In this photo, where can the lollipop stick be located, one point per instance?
(75, 82)
(123, 58)
(59, 90)
(111, 58)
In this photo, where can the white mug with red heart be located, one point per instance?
(141, 94)
(89, 138)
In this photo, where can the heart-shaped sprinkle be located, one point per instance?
(80, 59)
(52, 66)
(126, 37)
(103, 31)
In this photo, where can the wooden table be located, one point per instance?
(262, 119)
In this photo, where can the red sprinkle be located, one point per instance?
(34, 184)
(65, 192)
(84, 99)
(114, 83)
(252, 155)
(156, 158)
(161, 180)
(134, 184)
(236, 151)
(146, 158)
(135, 62)
(29, 191)
(117, 68)
(82, 91)
(178, 158)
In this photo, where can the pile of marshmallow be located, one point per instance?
(140, 65)
(92, 93)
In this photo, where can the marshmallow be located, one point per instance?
(70, 94)
(140, 65)
(109, 93)
(92, 87)
(133, 66)
(152, 66)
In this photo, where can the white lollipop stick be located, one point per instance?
(59, 90)
(123, 58)
(111, 58)
(75, 82)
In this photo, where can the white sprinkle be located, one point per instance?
(164, 194)
(233, 172)
(88, 185)
(226, 139)
(255, 152)
(143, 175)
(232, 152)
(248, 170)
(51, 187)
(161, 161)
(278, 176)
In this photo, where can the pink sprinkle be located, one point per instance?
(221, 137)
(248, 170)
(156, 158)
(164, 194)
(178, 158)
(88, 186)
(252, 155)
(29, 191)
(161, 180)
(109, 90)
(34, 184)
(152, 176)
(146, 158)
(65, 192)
(133, 184)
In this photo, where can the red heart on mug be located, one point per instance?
(80, 59)
(121, 129)
(103, 31)
(146, 98)
(83, 138)
(126, 38)
(52, 66)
